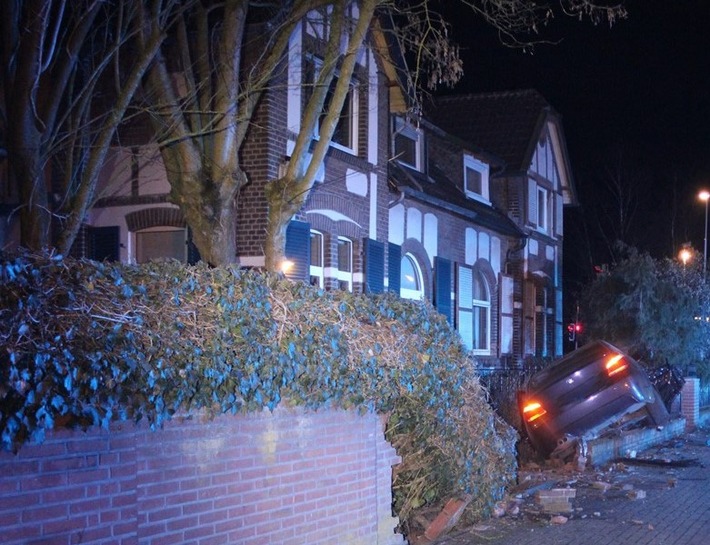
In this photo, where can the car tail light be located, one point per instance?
(616, 364)
(532, 411)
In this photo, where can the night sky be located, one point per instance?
(641, 86)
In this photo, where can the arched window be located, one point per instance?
(411, 285)
(481, 313)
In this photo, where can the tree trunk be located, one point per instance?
(210, 209)
(24, 147)
(277, 219)
(35, 212)
(287, 195)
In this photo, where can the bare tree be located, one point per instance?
(202, 121)
(623, 191)
(55, 55)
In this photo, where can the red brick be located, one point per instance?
(45, 512)
(64, 526)
(18, 502)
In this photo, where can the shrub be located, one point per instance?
(86, 343)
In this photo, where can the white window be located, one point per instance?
(316, 268)
(473, 309)
(346, 132)
(481, 314)
(411, 285)
(408, 145)
(344, 272)
(161, 243)
(476, 176)
(544, 209)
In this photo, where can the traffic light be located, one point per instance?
(573, 329)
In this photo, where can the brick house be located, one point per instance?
(533, 186)
(462, 207)
(453, 242)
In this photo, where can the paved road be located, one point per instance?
(674, 511)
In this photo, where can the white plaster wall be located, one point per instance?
(396, 224)
(471, 241)
(152, 179)
(484, 246)
(496, 261)
(414, 224)
(431, 236)
(115, 176)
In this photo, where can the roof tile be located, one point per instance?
(503, 123)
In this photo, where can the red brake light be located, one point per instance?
(533, 410)
(616, 364)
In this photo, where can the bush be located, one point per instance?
(656, 309)
(87, 343)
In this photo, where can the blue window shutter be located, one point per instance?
(374, 266)
(298, 249)
(104, 243)
(394, 267)
(442, 286)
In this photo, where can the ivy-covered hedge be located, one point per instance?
(86, 343)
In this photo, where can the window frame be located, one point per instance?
(407, 130)
(352, 103)
(544, 212)
(342, 276)
(483, 170)
(416, 294)
(317, 272)
(480, 306)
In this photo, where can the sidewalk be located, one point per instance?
(660, 498)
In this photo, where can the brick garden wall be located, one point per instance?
(291, 477)
(606, 449)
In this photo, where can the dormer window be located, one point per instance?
(475, 178)
(408, 145)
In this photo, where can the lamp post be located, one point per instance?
(705, 196)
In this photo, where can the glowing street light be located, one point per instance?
(705, 196)
(684, 255)
(286, 266)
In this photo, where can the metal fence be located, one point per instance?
(704, 398)
(503, 385)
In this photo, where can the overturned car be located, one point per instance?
(583, 394)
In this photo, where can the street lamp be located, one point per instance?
(684, 256)
(704, 196)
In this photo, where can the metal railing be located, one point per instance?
(503, 385)
(704, 397)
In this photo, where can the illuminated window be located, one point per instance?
(344, 273)
(161, 243)
(316, 268)
(411, 286)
